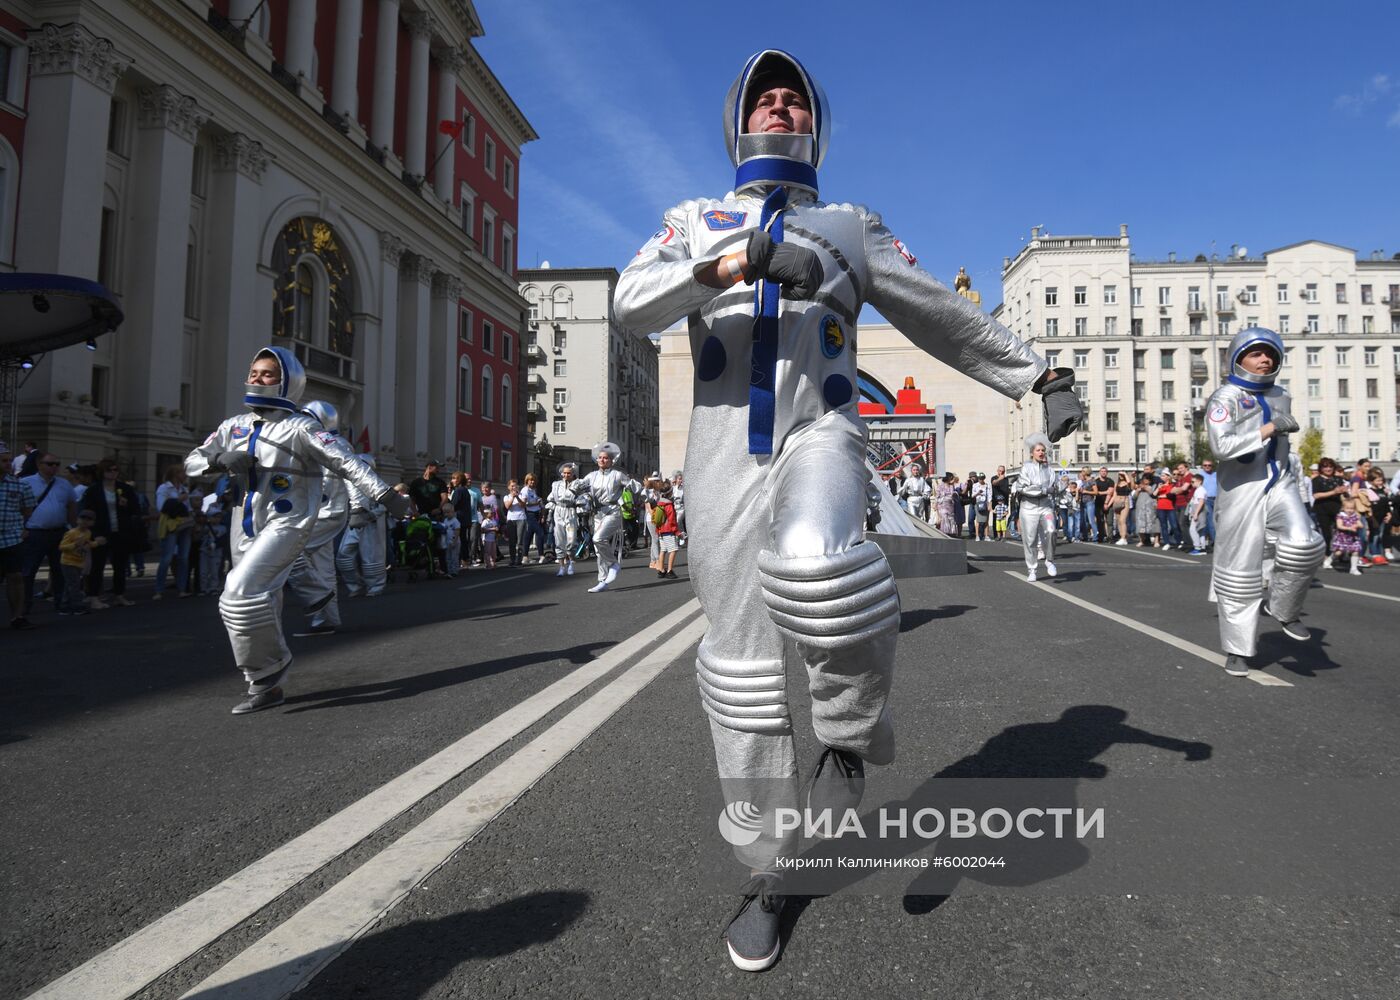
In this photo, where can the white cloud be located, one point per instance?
(1379, 86)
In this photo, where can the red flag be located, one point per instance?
(448, 127)
(363, 442)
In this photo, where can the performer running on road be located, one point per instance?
(1039, 488)
(563, 511)
(603, 487)
(776, 473)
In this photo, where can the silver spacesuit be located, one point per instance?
(562, 505)
(776, 470)
(360, 560)
(916, 490)
(1258, 499)
(283, 454)
(313, 578)
(1039, 487)
(603, 488)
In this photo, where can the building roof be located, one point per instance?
(540, 275)
(1303, 243)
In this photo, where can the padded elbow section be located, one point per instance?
(247, 614)
(1238, 586)
(831, 601)
(1299, 557)
(744, 695)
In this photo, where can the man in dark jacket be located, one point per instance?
(117, 513)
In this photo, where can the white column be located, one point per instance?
(442, 350)
(239, 319)
(420, 30)
(411, 387)
(149, 360)
(379, 409)
(450, 63)
(345, 79)
(240, 12)
(386, 55)
(301, 38)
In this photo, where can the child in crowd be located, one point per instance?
(1001, 513)
(1346, 540)
(450, 540)
(667, 530)
(488, 539)
(76, 559)
(1196, 515)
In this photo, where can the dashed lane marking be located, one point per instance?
(136, 961)
(293, 953)
(1209, 655)
(1131, 550)
(1363, 593)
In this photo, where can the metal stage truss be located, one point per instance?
(896, 440)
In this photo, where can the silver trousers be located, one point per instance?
(1037, 531)
(607, 541)
(312, 575)
(251, 602)
(360, 560)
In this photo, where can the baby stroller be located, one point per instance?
(417, 546)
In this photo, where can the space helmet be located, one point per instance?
(1254, 336)
(286, 394)
(325, 412)
(765, 160)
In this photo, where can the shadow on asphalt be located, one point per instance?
(407, 961)
(1063, 751)
(394, 688)
(910, 620)
(1302, 658)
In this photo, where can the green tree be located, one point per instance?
(1310, 447)
(1172, 456)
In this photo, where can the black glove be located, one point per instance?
(1284, 423)
(395, 503)
(796, 268)
(237, 462)
(1064, 412)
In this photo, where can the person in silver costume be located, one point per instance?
(313, 576)
(360, 560)
(563, 511)
(1039, 486)
(603, 488)
(280, 454)
(771, 281)
(916, 490)
(1258, 506)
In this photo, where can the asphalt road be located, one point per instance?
(128, 790)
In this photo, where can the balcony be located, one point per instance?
(1394, 303)
(1225, 307)
(534, 410)
(1195, 307)
(534, 381)
(534, 354)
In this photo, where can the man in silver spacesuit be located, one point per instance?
(603, 487)
(280, 454)
(916, 490)
(313, 578)
(1040, 487)
(360, 558)
(772, 281)
(1249, 419)
(563, 512)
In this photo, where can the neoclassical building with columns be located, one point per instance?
(340, 178)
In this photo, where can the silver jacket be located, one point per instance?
(603, 489)
(1038, 484)
(562, 503)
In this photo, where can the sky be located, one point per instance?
(1199, 125)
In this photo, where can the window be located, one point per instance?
(1168, 422)
(1373, 451)
(101, 380)
(468, 210)
(1081, 359)
(563, 302)
(561, 368)
(488, 337)
(1137, 326)
(1368, 324)
(1081, 389)
(1372, 389)
(464, 325)
(1052, 358)
(560, 425)
(561, 340)
(507, 402)
(1315, 419)
(1168, 392)
(1344, 420)
(1110, 389)
(106, 244)
(487, 393)
(1164, 326)
(464, 456)
(1140, 391)
(1310, 292)
(1052, 328)
(1110, 295)
(1140, 360)
(488, 157)
(1198, 392)
(1195, 326)
(192, 283)
(1222, 297)
(1344, 451)
(1141, 454)
(508, 249)
(506, 340)
(1341, 293)
(1110, 326)
(1081, 453)
(1343, 388)
(1081, 326)
(1283, 323)
(508, 167)
(1193, 297)
(1137, 295)
(1314, 388)
(1313, 325)
(303, 296)
(1370, 356)
(1251, 295)
(1110, 359)
(1314, 357)
(1081, 295)
(1366, 297)
(1168, 360)
(485, 471)
(1341, 324)
(116, 127)
(198, 173)
(1164, 296)
(1343, 355)
(1052, 296)
(464, 385)
(1283, 295)
(561, 397)
(1373, 420)
(505, 464)
(488, 233)
(469, 132)
(1111, 452)
(1112, 420)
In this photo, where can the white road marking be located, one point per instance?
(1129, 550)
(499, 579)
(1363, 593)
(293, 953)
(1209, 655)
(136, 961)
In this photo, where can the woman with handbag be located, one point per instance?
(175, 529)
(117, 518)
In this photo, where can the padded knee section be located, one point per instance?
(1299, 557)
(247, 614)
(1238, 586)
(745, 695)
(831, 601)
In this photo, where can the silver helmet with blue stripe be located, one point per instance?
(764, 160)
(285, 394)
(1251, 337)
(326, 413)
